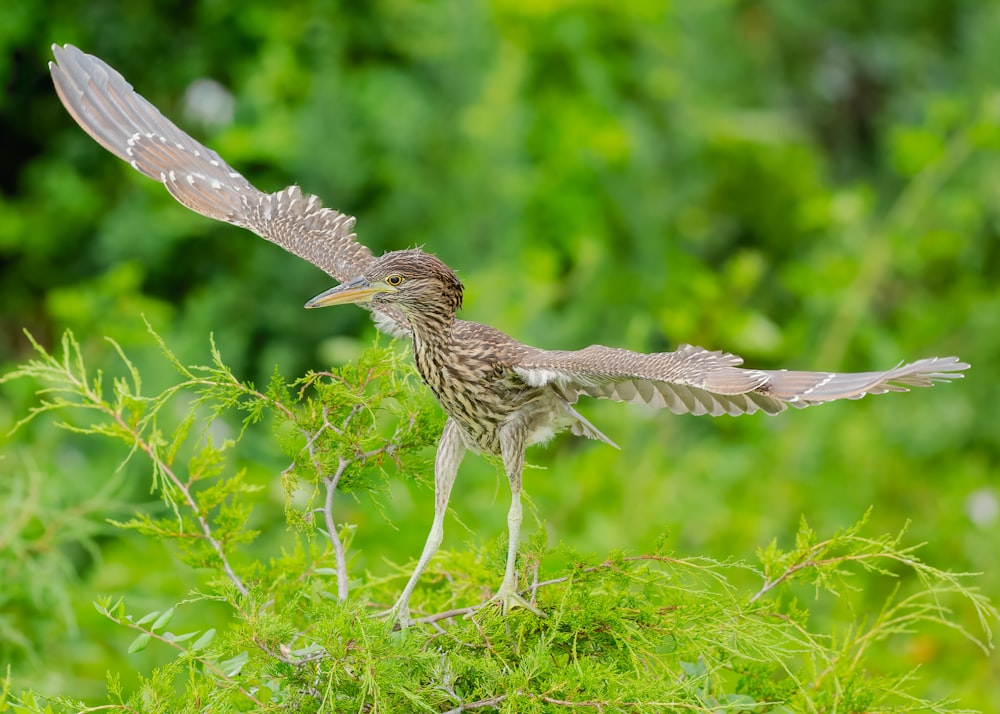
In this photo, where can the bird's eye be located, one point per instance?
(394, 280)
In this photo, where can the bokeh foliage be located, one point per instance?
(805, 184)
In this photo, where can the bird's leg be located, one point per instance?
(512, 450)
(451, 449)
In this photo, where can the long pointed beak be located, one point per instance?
(357, 291)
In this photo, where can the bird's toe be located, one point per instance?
(508, 598)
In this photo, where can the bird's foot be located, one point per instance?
(399, 613)
(508, 598)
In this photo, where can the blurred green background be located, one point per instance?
(809, 185)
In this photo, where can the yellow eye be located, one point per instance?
(394, 280)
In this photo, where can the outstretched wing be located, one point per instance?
(124, 123)
(697, 381)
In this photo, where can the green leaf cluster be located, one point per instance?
(300, 631)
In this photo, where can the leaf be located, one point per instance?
(139, 643)
(203, 641)
(234, 665)
(148, 618)
(162, 620)
(177, 639)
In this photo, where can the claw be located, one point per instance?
(508, 598)
(399, 614)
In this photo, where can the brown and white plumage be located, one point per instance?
(124, 123)
(500, 395)
(698, 381)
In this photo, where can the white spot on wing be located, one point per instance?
(538, 377)
(819, 385)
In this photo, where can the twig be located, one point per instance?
(809, 562)
(535, 585)
(607, 564)
(181, 486)
(205, 662)
(296, 662)
(446, 615)
(477, 705)
(331, 527)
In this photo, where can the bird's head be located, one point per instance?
(414, 281)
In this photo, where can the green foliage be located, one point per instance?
(44, 535)
(809, 185)
(647, 632)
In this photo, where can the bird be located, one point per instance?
(499, 395)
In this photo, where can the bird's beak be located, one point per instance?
(357, 291)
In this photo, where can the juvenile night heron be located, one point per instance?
(500, 395)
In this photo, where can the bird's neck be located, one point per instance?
(431, 349)
(431, 329)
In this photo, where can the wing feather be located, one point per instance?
(106, 106)
(697, 381)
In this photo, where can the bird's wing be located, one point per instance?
(127, 125)
(697, 381)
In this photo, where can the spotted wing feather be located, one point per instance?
(808, 388)
(127, 125)
(698, 381)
